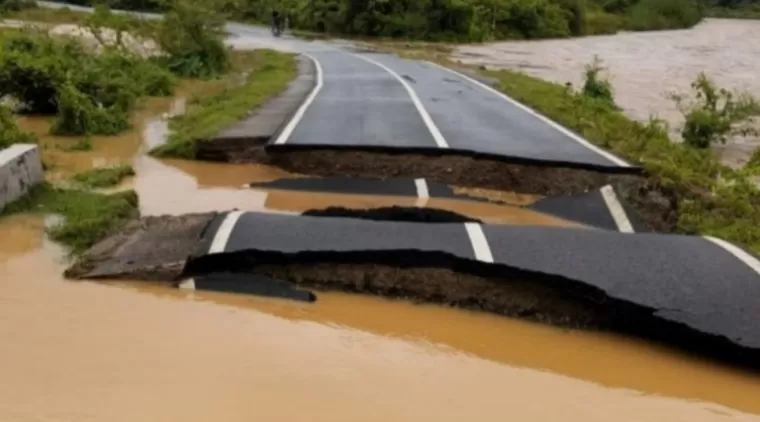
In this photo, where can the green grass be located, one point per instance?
(104, 177)
(88, 216)
(706, 206)
(271, 73)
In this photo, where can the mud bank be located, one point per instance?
(656, 206)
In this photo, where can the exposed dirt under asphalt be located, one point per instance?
(656, 206)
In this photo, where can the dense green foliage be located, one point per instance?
(14, 5)
(192, 37)
(479, 20)
(713, 199)
(659, 14)
(90, 93)
(457, 20)
(9, 131)
(714, 114)
(747, 9)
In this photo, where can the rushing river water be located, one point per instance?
(644, 67)
(82, 351)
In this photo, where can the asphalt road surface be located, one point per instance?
(366, 99)
(379, 100)
(702, 283)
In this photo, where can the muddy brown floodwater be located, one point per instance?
(81, 351)
(645, 67)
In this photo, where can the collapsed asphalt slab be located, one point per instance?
(397, 186)
(681, 289)
(591, 208)
(594, 209)
(247, 284)
(152, 248)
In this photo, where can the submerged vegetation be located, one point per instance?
(87, 216)
(104, 177)
(713, 199)
(9, 131)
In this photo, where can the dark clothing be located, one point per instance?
(276, 22)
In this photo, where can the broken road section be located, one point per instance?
(684, 290)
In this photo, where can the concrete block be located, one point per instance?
(20, 169)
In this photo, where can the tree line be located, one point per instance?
(459, 20)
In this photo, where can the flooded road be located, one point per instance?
(81, 351)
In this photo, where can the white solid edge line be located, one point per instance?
(224, 231)
(737, 252)
(616, 210)
(479, 242)
(422, 192)
(290, 127)
(437, 136)
(540, 116)
(188, 284)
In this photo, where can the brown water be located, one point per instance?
(645, 67)
(80, 351)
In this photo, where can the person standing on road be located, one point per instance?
(276, 21)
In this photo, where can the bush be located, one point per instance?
(9, 131)
(79, 114)
(596, 87)
(90, 93)
(715, 114)
(32, 66)
(664, 14)
(192, 37)
(15, 5)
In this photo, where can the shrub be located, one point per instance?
(79, 114)
(91, 93)
(664, 14)
(595, 86)
(33, 65)
(9, 131)
(715, 114)
(15, 5)
(192, 37)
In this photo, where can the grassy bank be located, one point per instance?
(729, 209)
(104, 177)
(88, 216)
(268, 74)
